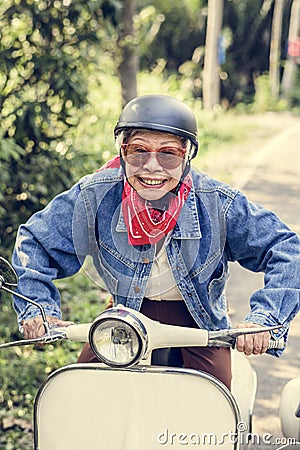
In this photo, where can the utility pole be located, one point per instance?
(211, 77)
(275, 48)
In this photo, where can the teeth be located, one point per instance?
(152, 182)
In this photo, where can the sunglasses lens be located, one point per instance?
(137, 159)
(138, 156)
(169, 160)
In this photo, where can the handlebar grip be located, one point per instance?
(79, 333)
(276, 344)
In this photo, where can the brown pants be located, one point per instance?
(215, 361)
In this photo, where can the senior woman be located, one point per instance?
(161, 236)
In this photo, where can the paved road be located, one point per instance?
(274, 181)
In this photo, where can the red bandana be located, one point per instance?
(145, 224)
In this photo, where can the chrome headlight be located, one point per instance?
(118, 338)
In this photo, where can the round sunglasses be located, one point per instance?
(138, 155)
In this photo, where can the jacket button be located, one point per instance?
(137, 289)
(146, 260)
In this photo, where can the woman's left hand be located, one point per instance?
(252, 343)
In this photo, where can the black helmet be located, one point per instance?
(160, 113)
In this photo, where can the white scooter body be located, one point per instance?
(289, 410)
(90, 406)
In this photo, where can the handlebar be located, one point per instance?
(160, 335)
(197, 337)
(123, 326)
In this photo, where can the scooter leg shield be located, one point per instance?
(92, 407)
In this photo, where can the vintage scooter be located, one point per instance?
(126, 401)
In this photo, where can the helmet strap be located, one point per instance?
(184, 174)
(122, 163)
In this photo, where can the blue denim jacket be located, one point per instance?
(217, 225)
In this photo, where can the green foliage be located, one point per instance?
(175, 29)
(247, 56)
(293, 98)
(92, 141)
(263, 100)
(47, 48)
(175, 42)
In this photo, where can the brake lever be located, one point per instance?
(51, 336)
(227, 338)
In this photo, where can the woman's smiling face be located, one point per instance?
(160, 163)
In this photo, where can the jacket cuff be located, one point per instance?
(267, 320)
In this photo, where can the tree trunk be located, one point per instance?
(128, 65)
(290, 65)
(211, 78)
(275, 48)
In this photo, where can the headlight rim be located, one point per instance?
(131, 320)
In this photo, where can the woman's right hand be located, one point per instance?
(34, 328)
